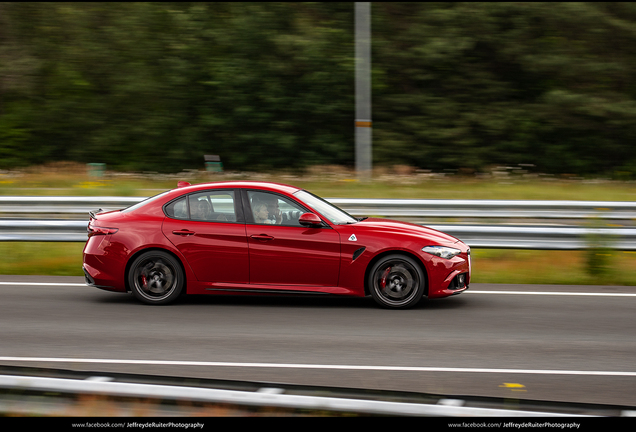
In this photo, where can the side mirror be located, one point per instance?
(309, 220)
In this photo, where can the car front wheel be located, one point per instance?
(396, 281)
(155, 277)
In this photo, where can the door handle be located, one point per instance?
(262, 237)
(183, 232)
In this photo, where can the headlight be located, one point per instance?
(442, 251)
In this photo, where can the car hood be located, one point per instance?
(375, 224)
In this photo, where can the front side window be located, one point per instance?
(273, 209)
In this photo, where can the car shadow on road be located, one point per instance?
(297, 301)
(455, 302)
(279, 301)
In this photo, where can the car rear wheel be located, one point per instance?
(396, 281)
(155, 277)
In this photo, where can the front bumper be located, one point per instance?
(449, 277)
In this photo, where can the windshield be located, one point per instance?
(328, 210)
(144, 202)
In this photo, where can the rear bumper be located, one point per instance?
(102, 264)
(95, 279)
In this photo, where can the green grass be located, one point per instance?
(41, 258)
(336, 182)
(554, 267)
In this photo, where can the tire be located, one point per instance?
(397, 282)
(156, 278)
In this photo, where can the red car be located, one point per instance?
(262, 238)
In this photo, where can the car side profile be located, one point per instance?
(245, 237)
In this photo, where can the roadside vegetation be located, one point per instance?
(598, 266)
(456, 85)
(330, 181)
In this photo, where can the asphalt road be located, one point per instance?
(512, 341)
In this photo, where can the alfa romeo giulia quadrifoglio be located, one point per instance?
(263, 238)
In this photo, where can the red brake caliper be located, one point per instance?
(384, 276)
(144, 281)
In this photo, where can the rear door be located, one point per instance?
(208, 228)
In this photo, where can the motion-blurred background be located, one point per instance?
(459, 86)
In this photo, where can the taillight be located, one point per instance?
(94, 230)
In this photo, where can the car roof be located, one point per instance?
(276, 187)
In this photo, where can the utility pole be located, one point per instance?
(363, 90)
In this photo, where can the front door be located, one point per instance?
(282, 252)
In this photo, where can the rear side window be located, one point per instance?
(212, 206)
(177, 209)
(208, 206)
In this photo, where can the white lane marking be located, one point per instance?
(467, 291)
(42, 283)
(553, 293)
(317, 366)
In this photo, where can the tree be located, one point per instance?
(155, 86)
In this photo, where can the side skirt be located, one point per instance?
(265, 291)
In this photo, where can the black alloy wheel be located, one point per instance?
(156, 277)
(397, 281)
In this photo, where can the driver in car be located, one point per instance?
(273, 210)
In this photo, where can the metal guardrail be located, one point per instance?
(490, 209)
(71, 213)
(394, 208)
(258, 398)
(72, 207)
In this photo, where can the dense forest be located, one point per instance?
(155, 86)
